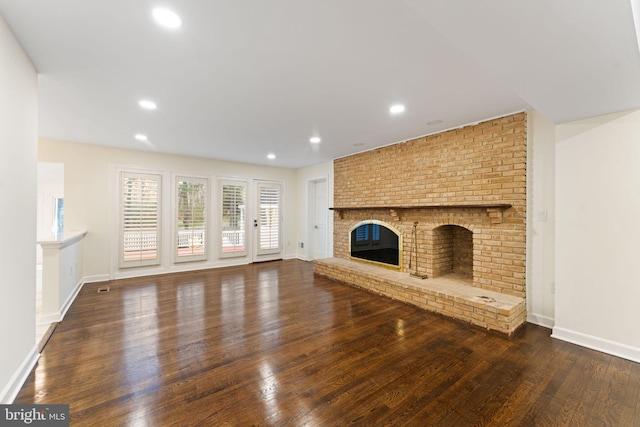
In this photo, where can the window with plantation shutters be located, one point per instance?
(139, 219)
(233, 218)
(269, 229)
(190, 219)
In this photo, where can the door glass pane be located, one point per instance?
(269, 221)
(233, 219)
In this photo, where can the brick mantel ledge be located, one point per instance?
(494, 209)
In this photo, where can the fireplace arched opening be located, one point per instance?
(452, 251)
(376, 242)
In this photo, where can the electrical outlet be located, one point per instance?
(542, 216)
(301, 245)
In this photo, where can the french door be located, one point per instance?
(267, 222)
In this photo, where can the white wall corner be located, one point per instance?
(597, 167)
(541, 320)
(16, 382)
(540, 223)
(49, 318)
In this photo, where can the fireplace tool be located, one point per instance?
(414, 235)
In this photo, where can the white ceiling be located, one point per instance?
(242, 79)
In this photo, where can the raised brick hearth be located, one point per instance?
(447, 295)
(466, 190)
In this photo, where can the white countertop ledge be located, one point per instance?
(60, 241)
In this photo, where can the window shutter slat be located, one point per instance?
(233, 219)
(269, 218)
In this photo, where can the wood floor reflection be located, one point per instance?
(270, 344)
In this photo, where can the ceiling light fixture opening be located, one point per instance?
(167, 18)
(147, 105)
(271, 156)
(141, 137)
(396, 109)
(315, 140)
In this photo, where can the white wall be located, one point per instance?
(598, 233)
(18, 161)
(91, 196)
(540, 219)
(304, 175)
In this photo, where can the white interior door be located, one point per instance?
(267, 223)
(320, 209)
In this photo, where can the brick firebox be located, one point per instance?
(466, 190)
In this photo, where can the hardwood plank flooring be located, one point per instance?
(273, 345)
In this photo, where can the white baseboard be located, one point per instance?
(96, 278)
(231, 262)
(70, 299)
(178, 268)
(599, 344)
(57, 316)
(19, 377)
(540, 320)
(133, 273)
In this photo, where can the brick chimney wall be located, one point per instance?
(479, 164)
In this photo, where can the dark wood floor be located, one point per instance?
(270, 344)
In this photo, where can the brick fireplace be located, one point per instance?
(458, 200)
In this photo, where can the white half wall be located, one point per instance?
(18, 194)
(598, 233)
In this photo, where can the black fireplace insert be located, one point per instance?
(375, 242)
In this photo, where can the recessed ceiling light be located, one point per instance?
(141, 137)
(434, 122)
(315, 140)
(271, 156)
(396, 109)
(147, 105)
(167, 18)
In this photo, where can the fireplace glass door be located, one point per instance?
(375, 242)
